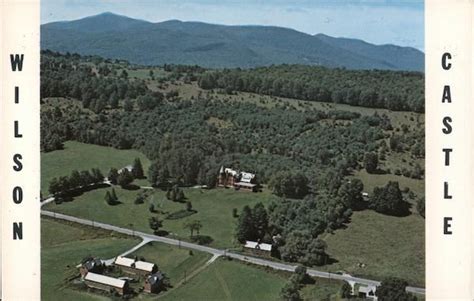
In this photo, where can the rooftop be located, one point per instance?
(258, 246)
(105, 280)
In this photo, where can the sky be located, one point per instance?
(399, 22)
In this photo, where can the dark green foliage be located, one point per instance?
(245, 228)
(420, 206)
(175, 194)
(291, 291)
(393, 289)
(113, 194)
(183, 145)
(345, 291)
(235, 212)
(189, 206)
(155, 224)
(317, 214)
(396, 91)
(125, 177)
(137, 169)
(389, 200)
(371, 162)
(252, 223)
(151, 208)
(180, 214)
(289, 184)
(351, 194)
(149, 102)
(77, 180)
(301, 247)
(259, 220)
(110, 198)
(113, 176)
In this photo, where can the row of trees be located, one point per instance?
(77, 179)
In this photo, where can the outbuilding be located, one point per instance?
(154, 282)
(257, 247)
(106, 283)
(135, 267)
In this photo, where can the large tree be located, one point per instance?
(351, 194)
(371, 162)
(389, 200)
(394, 289)
(137, 169)
(245, 226)
(259, 220)
(289, 184)
(301, 247)
(155, 224)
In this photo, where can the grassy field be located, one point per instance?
(171, 260)
(388, 246)
(374, 180)
(214, 210)
(64, 245)
(322, 289)
(230, 280)
(81, 156)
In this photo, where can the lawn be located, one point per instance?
(230, 280)
(233, 280)
(175, 262)
(64, 245)
(81, 156)
(214, 210)
(322, 289)
(388, 246)
(375, 180)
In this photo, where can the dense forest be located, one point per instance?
(305, 155)
(398, 91)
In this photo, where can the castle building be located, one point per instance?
(237, 179)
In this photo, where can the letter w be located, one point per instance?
(17, 61)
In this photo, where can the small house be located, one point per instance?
(106, 283)
(94, 265)
(154, 282)
(135, 267)
(256, 247)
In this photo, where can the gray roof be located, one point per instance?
(154, 278)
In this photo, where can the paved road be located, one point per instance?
(217, 252)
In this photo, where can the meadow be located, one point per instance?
(81, 156)
(376, 246)
(231, 280)
(213, 208)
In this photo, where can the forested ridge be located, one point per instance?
(398, 91)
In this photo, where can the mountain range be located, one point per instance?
(217, 46)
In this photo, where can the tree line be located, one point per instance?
(393, 90)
